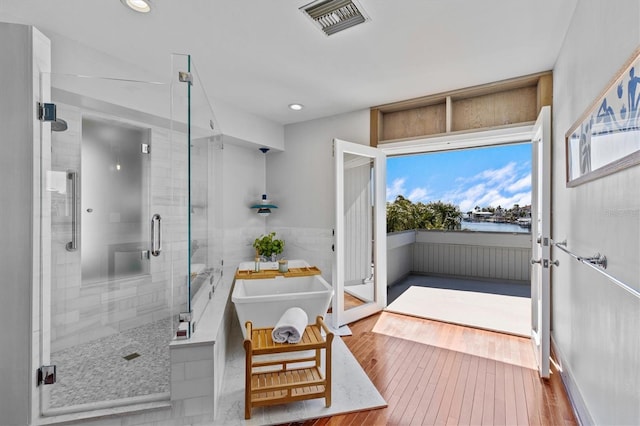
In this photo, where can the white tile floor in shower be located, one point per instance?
(98, 370)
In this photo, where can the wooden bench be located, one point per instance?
(282, 380)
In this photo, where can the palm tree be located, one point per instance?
(404, 215)
(400, 215)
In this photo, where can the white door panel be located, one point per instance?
(541, 241)
(359, 273)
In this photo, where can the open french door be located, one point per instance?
(541, 241)
(359, 267)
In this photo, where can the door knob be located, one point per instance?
(534, 261)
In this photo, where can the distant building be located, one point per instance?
(480, 216)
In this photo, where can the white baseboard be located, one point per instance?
(580, 409)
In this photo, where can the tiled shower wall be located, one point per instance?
(83, 312)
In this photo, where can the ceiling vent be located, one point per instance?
(333, 16)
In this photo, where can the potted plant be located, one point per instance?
(268, 246)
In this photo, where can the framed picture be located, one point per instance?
(606, 138)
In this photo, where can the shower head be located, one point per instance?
(59, 125)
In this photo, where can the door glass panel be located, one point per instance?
(107, 311)
(203, 242)
(197, 175)
(358, 222)
(115, 179)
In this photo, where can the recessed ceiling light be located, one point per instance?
(296, 107)
(142, 6)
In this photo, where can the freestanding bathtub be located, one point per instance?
(263, 301)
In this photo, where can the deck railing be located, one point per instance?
(486, 255)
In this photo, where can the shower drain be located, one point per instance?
(131, 356)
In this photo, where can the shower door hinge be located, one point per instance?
(185, 77)
(46, 112)
(145, 148)
(186, 325)
(46, 375)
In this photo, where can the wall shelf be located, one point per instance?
(264, 206)
(505, 103)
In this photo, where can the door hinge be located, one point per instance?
(145, 148)
(185, 77)
(46, 375)
(186, 325)
(46, 112)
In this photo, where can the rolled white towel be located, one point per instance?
(290, 327)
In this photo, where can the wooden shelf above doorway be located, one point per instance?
(505, 103)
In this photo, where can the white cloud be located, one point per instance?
(496, 199)
(498, 176)
(519, 185)
(396, 188)
(503, 187)
(418, 195)
(466, 198)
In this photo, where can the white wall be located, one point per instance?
(71, 57)
(300, 181)
(244, 184)
(595, 324)
(399, 255)
(495, 255)
(15, 252)
(23, 54)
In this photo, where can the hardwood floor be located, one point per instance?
(436, 373)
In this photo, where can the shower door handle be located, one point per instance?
(156, 245)
(75, 207)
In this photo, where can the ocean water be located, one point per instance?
(494, 227)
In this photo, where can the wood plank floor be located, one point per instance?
(436, 373)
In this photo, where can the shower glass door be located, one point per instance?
(203, 159)
(115, 197)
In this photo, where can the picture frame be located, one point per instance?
(606, 138)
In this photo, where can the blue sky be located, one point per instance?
(494, 176)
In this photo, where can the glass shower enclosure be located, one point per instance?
(130, 221)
